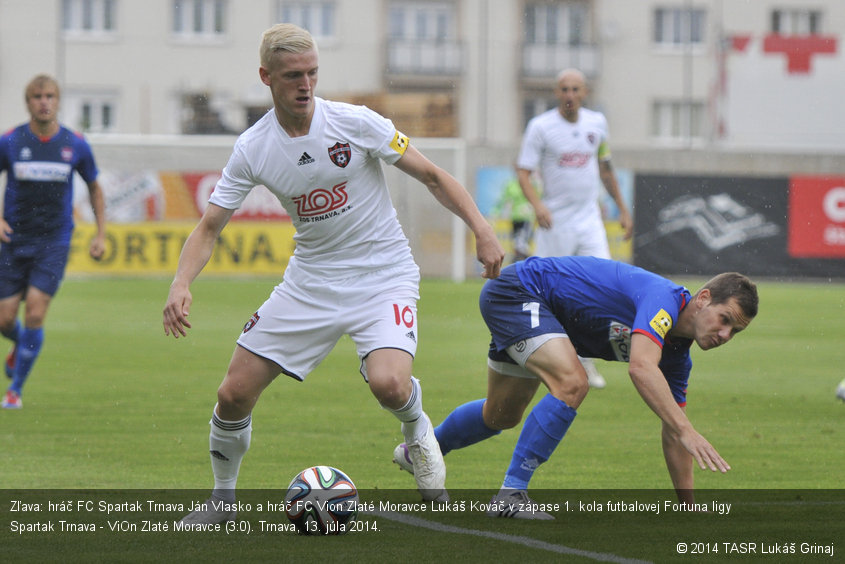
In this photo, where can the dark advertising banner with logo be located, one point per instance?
(703, 225)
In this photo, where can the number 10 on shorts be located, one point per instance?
(404, 315)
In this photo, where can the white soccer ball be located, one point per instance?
(840, 390)
(321, 500)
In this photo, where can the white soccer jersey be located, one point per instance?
(566, 155)
(332, 185)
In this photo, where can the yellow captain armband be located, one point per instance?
(400, 143)
(604, 151)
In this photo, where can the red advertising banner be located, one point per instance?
(816, 217)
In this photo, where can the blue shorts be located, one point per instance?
(513, 314)
(39, 264)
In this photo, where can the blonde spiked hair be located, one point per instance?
(285, 38)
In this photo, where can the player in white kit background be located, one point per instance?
(568, 147)
(352, 271)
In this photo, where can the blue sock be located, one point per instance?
(463, 427)
(544, 428)
(29, 345)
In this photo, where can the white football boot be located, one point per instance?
(595, 379)
(208, 515)
(429, 470)
(402, 457)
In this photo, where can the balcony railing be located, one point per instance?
(427, 57)
(541, 60)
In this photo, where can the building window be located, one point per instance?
(565, 23)
(675, 121)
(679, 26)
(557, 35)
(199, 18)
(797, 22)
(317, 17)
(89, 16)
(422, 21)
(203, 114)
(90, 112)
(423, 39)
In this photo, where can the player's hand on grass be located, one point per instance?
(176, 312)
(703, 452)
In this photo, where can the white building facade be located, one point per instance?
(737, 75)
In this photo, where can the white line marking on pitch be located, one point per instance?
(525, 541)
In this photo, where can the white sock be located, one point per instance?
(414, 421)
(228, 442)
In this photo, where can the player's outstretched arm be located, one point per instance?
(652, 387)
(195, 254)
(454, 197)
(98, 205)
(541, 212)
(679, 464)
(608, 179)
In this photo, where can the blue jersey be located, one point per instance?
(38, 204)
(597, 303)
(601, 303)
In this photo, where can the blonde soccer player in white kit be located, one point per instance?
(351, 272)
(567, 146)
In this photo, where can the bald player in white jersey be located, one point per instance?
(568, 147)
(351, 273)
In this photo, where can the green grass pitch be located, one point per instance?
(114, 405)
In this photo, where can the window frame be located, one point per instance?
(673, 28)
(677, 121)
(800, 21)
(199, 20)
(304, 12)
(87, 111)
(434, 21)
(556, 23)
(89, 19)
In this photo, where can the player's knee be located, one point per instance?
(571, 389)
(391, 387)
(7, 325)
(392, 392)
(34, 319)
(233, 400)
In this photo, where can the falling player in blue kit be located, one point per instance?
(40, 158)
(545, 312)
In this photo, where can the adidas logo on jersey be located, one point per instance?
(411, 336)
(305, 159)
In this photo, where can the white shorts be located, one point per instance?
(298, 327)
(519, 353)
(585, 236)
